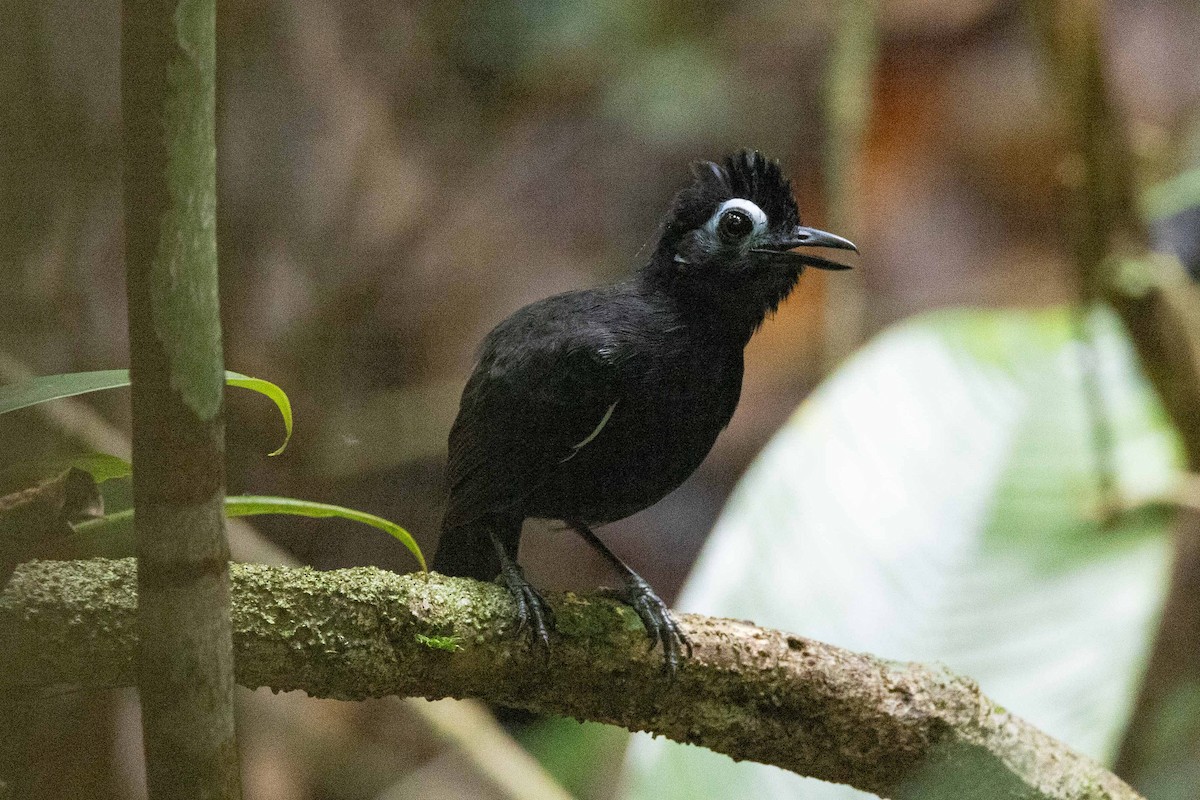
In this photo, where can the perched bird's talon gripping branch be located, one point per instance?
(592, 405)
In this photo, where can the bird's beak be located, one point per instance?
(801, 236)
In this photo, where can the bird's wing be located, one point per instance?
(535, 399)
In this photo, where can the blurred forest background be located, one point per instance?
(396, 178)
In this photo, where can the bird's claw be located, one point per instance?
(660, 625)
(533, 612)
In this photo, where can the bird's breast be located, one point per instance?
(655, 436)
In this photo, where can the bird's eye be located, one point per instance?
(735, 224)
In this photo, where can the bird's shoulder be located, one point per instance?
(593, 332)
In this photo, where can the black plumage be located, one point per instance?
(592, 405)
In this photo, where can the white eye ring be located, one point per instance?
(745, 206)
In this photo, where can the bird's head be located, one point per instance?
(731, 236)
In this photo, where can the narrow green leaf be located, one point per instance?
(110, 536)
(54, 387)
(272, 391)
(247, 505)
(104, 536)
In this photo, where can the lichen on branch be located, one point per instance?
(899, 730)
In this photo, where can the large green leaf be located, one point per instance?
(53, 387)
(938, 500)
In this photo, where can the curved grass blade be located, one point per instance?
(270, 390)
(247, 505)
(112, 535)
(53, 387)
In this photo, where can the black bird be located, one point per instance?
(589, 406)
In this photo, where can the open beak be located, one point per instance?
(801, 236)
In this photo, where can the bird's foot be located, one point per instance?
(660, 624)
(533, 612)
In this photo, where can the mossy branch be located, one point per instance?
(898, 730)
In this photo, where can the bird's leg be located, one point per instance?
(532, 609)
(660, 625)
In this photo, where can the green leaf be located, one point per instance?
(112, 535)
(1172, 196)
(272, 391)
(247, 505)
(55, 387)
(938, 500)
(101, 466)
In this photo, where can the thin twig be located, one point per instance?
(1157, 304)
(1099, 423)
(848, 96)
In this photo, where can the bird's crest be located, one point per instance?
(745, 174)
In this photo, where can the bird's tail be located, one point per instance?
(467, 552)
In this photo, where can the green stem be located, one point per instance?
(185, 653)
